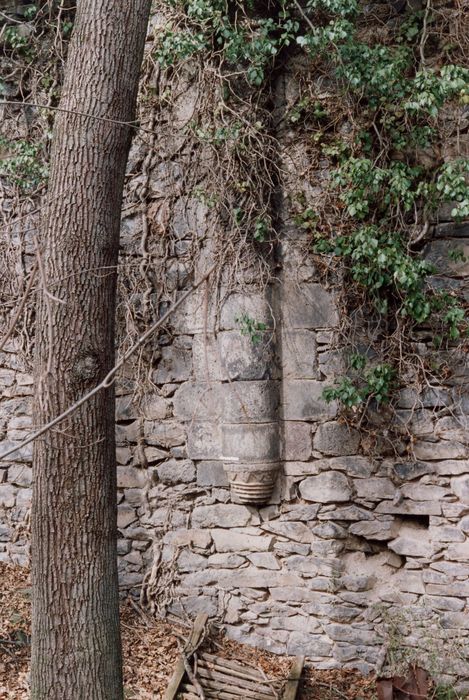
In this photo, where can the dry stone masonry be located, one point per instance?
(356, 551)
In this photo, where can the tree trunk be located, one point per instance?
(76, 651)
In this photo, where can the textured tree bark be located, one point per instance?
(76, 650)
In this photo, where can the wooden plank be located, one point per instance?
(221, 692)
(191, 644)
(291, 687)
(239, 684)
(235, 665)
(234, 674)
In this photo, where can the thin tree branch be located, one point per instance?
(132, 125)
(111, 375)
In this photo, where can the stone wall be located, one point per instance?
(361, 550)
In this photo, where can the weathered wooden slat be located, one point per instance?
(238, 683)
(191, 645)
(291, 687)
(223, 693)
(234, 675)
(218, 684)
(235, 665)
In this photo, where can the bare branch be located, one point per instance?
(111, 375)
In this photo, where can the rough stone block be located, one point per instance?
(190, 561)
(211, 474)
(175, 471)
(353, 466)
(183, 538)
(296, 441)
(308, 644)
(229, 541)
(458, 552)
(165, 434)
(308, 306)
(244, 360)
(336, 439)
(24, 454)
(375, 529)
(303, 564)
(250, 402)
(20, 475)
(328, 487)
(125, 408)
(444, 449)
(198, 400)
(226, 561)
(460, 487)
(291, 594)
(7, 495)
(302, 401)
(254, 305)
(175, 364)
(296, 531)
(189, 215)
(374, 488)
(409, 507)
(220, 515)
(251, 442)
(204, 441)
(413, 542)
(424, 492)
(194, 315)
(299, 359)
(264, 560)
(298, 511)
(131, 478)
(125, 516)
(155, 407)
(438, 253)
(446, 533)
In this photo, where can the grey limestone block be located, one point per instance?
(211, 473)
(221, 515)
(336, 439)
(309, 306)
(175, 471)
(296, 440)
(229, 541)
(198, 400)
(175, 364)
(328, 487)
(204, 441)
(20, 475)
(252, 442)
(302, 401)
(130, 477)
(250, 401)
(252, 304)
(244, 360)
(298, 357)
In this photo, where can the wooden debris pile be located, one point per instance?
(200, 675)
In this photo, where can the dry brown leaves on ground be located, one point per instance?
(150, 650)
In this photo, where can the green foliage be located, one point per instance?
(250, 327)
(23, 165)
(262, 228)
(385, 190)
(452, 184)
(378, 260)
(375, 383)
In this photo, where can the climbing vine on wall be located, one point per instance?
(396, 71)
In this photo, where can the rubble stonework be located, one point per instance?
(355, 552)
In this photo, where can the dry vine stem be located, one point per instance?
(111, 375)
